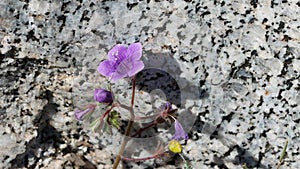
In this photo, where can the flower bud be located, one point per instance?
(87, 109)
(179, 132)
(166, 112)
(103, 96)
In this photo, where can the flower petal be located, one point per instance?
(106, 68)
(135, 68)
(87, 109)
(122, 70)
(122, 62)
(80, 113)
(117, 53)
(120, 73)
(134, 51)
(179, 132)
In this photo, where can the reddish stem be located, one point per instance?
(133, 91)
(105, 114)
(137, 118)
(143, 129)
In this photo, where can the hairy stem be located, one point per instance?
(128, 129)
(182, 158)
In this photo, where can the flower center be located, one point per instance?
(116, 55)
(117, 58)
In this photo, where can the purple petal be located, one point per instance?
(134, 51)
(117, 76)
(135, 68)
(179, 132)
(125, 66)
(80, 113)
(117, 53)
(106, 68)
(122, 70)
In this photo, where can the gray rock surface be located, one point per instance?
(242, 56)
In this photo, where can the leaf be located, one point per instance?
(96, 124)
(107, 128)
(187, 166)
(282, 154)
(114, 119)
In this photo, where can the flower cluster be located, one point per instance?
(125, 62)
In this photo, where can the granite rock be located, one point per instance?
(235, 66)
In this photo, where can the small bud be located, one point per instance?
(103, 96)
(87, 109)
(166, 112)
(175, 146)
(168, 106)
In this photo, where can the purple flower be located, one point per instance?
(122, 62)
(80, 113)
(179, 132)
(103, 96)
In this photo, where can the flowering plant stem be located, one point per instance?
(128, 129)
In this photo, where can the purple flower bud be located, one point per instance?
(103, 96)
(179, 132)
(79, 113)
(166, 112)
(168, 106)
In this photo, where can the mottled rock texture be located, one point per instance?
(241, 57)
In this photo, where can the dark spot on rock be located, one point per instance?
(31, 36)
(254, 3)
(265, 20)
(131, 5)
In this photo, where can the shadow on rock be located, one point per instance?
(243, 157)
(163, 72)
(47, 138)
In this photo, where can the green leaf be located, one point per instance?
(114, 119)
(187, 166)
(283, 153)
(107, 128)
(95, 124)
